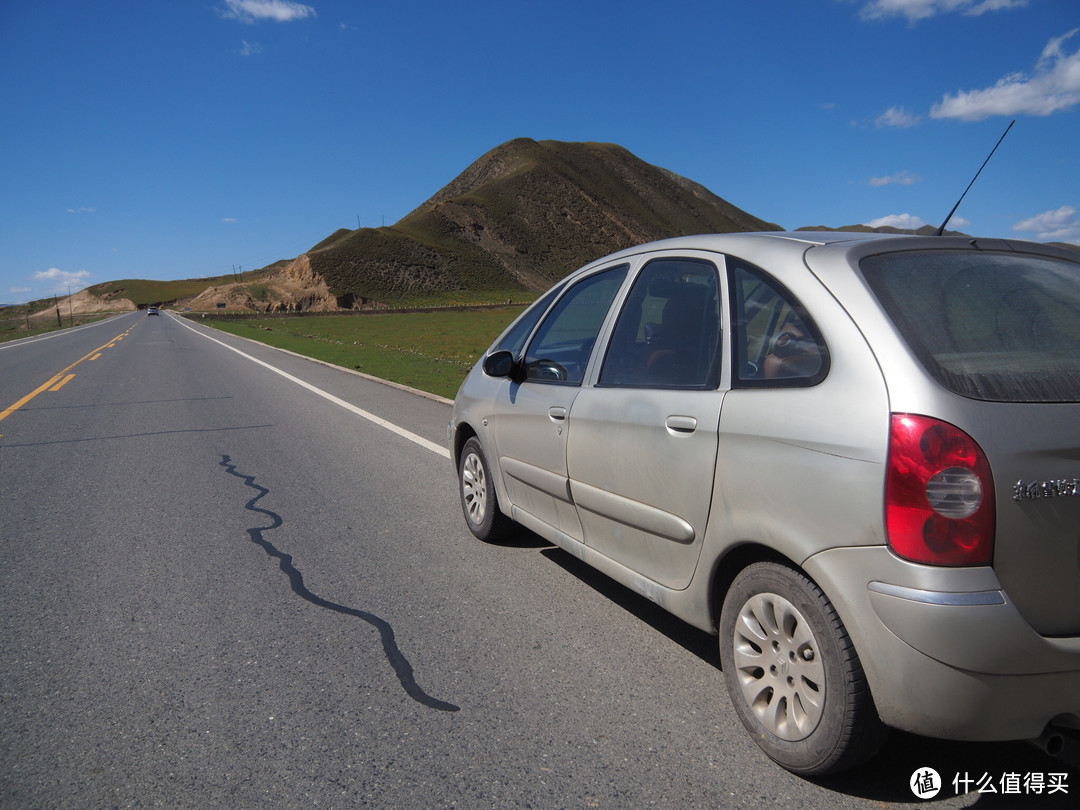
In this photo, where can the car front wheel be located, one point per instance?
(478, 499)
(793, 674)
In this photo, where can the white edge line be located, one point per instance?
(416, 392)
(68, 330)
(438, 449)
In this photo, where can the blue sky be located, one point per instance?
(173, 139)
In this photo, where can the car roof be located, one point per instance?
(723, 242)
(852, 243)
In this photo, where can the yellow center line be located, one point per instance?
(63, 382)
(57, 380)
(6, 413)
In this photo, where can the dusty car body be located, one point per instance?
(855, 458)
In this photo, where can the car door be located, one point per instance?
(529, 417)
(643, 440)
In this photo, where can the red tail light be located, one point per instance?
(939, 500)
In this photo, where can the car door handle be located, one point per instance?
(557, 413)
(681, 424)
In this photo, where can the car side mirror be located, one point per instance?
(499, 363)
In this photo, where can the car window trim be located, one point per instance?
(738, 336)
(602, 334)
(716, 374)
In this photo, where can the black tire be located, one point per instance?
(479, 502)
(793, 675)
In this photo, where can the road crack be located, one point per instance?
(402, 668)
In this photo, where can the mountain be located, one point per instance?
(518, 219)
(925, 230)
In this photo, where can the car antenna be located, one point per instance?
(940, 231)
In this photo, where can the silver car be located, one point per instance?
(855, 458)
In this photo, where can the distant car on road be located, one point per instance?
(855, 458)
(152, 311)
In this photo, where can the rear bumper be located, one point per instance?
(946, 652)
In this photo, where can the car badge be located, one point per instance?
(1037, 490)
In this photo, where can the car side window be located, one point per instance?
(775, 341)
(560, 350)
(516, 335)
(668, 333)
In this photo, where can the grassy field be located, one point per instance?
(431, 351)
(142, 292)
(14, 324)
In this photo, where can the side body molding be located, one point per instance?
(632, 513)
(557, 486)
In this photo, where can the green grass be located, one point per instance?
(142, 292)
(431, 351)
(454, 298)
(13, 321)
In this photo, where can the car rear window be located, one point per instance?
(991, 326)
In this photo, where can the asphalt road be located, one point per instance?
(226, 587)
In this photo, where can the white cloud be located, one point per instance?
(250, 11)
(904, 178)
(229, 220)
(62, 279)
(915, 10)
(55, 274)
(1053, 52)
(896, 117)
(250, 48)
(1055, 86)
(1062, 225)
(82, 210)
(897, 221)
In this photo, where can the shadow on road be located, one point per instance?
(993, 775)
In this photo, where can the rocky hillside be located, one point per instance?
(81, 303)
(515, 221)
(519, 218)
(292, 287)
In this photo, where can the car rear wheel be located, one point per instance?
(793, 674)
(478, 499)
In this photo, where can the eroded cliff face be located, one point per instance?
(296, 288)
(82, 303)
(299, 288)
